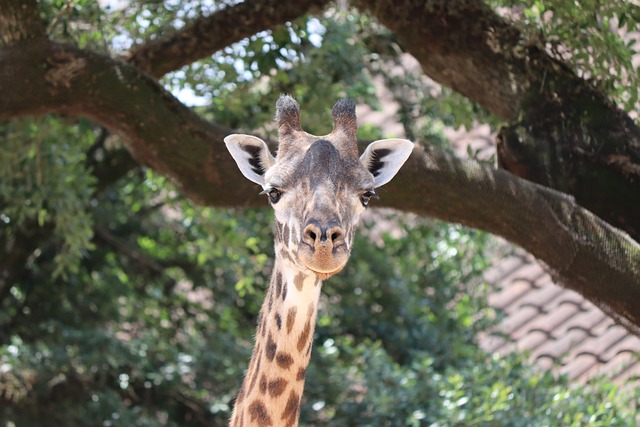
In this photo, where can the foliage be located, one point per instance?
(129, 306)
(324, 51)
(44, 180)
(594, 37)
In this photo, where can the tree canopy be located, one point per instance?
(121, 241)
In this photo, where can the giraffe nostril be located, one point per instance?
(311, 234)
(337, 235)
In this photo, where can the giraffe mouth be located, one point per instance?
(324, 275)
(324, 263)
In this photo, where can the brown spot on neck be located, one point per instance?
(292, 409)
(259, 415)
(291, 318)
(302, 372)
(278, 284)
(277, 387)
(304, 336)
(271, 348)
(284, 360)
(299, 281)
(278, 321)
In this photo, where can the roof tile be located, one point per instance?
(599, 345)
(514, 322)
(557, 348)
(509, 295)
(553, 319)
(560, 329)
(579, 365)
(533, 339)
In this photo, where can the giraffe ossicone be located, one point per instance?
(318, 187)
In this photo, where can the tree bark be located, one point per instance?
(563, 133)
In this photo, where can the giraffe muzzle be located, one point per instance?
(323, 247)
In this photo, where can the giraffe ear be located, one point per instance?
(384, 158)
(251, 154)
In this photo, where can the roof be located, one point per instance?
(557, 327)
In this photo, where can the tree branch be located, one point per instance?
(207, 35)
(585, 253)
(200, 38)
(564, 133)
(462, 44)
(88, 84)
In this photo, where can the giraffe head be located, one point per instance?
(318, 186)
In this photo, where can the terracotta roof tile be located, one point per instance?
(557, 327)
(543, 297)
(527, 272)
(598, 347)
(492, 342)
(517, 320)
(579, 365)
(629, 344)
(532, 340)
(587, 319)
(558, 348)
(627, 367)
(508, 295)
(555, 317)
(545, 363)
(503, 266)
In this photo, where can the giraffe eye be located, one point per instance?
(273, 193)
(366, 196)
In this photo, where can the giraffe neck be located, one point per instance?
(272, 388)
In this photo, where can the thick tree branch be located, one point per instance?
(207, 35)
(585, 253)
(84, 83)
(200, 38)
(462, 44)
(564, 134)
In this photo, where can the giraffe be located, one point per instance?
(318, 187)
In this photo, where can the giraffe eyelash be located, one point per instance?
(366, 196)
(273, 193)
